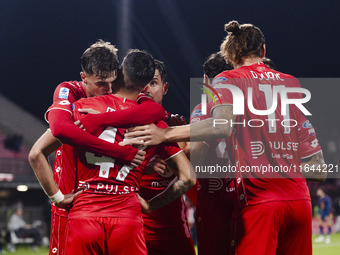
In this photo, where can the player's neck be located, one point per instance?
(249, 62)
(129, 94)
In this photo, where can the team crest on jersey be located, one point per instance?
(63, 93)
(196, 113)
(219, 79)
(307, 124)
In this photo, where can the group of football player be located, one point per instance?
(120, 171)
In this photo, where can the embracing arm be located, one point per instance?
(186, 179)
(43, 147)
(208, 129)
(148, 111)
(63, 128)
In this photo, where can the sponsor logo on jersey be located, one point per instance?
(257, 149)
(315, 143)
(232, 189)
(219, 79)
(63, 93)
(307, 124)
(196, 113)
(311, 132)
(214, 185)
(159, 184)
(64, 102)
(284, 146)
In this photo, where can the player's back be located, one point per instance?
(109, 181)
(266, 147)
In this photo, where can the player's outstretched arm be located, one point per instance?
(186, 179)
(62, 124)
(313, 168)
(43, 147)
(147, 112)
(209, 129)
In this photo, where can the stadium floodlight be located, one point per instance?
(22, 188)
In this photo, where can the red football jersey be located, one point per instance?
(64, 95)
(215, 196)
(105, 179)
(267, 148)
(170, 221)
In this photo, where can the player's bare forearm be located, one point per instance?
(174, 191)
(44, 146)
(313, 168)
(186, 179)
(209, 129)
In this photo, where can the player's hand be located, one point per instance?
(144, 135)
(175, 120)
(144, 204)
(139, 158)
(155, 165)
(68, 199)
(88, 110)
(89, 122)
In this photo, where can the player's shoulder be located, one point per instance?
(70, 85)
(66, 88)
(93, 100)
(197, 111)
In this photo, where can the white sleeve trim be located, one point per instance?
(173, 155)
(311, 154)
(55, 137)
(55, 108)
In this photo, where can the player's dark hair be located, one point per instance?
(241, 42)
(159, 65)
(139, 66)
(268, 62)
(216, 64)
(100, 59)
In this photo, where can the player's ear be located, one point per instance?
(263, 51)
(165, 88)
(82, 75)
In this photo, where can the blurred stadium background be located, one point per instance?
(42, 41)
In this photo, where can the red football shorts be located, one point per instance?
(214, 223)
(184, 246)
(275, 228)
(58, 237)
(99, 235)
